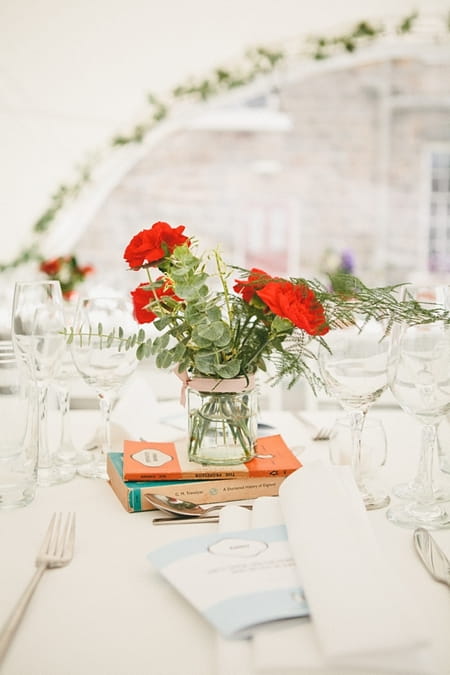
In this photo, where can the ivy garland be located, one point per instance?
(257, 61)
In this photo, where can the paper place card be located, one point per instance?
(237, 580)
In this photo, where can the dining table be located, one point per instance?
(110, 611)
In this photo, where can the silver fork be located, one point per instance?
(318, 433)
(322, 434)
(56, 551)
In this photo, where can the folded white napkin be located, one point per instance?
(363, 619)
(235, 656)
(136, 415)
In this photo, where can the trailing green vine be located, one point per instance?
(257, 62)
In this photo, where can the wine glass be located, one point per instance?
(353, 369)
(419, 377)
(66, 451)
(374, 445)
(101, 357)
(39, 343)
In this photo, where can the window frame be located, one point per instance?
(425, 252)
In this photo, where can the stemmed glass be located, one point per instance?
(66, 451)
(104, 362)
(39, 342)
(354, 372)
(419, 377)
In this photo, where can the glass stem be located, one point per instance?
(357, 419)
(44, 458)
(65, 448)
(424, 488)
(105, 407)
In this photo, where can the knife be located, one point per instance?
(179, 520)
(432, 556)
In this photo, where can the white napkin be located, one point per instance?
(235, 656)
(136, 415)
(364, 620)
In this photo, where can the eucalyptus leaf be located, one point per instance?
(214, 331)
(178, 352)
(204, 362)
(141, 352)
(214, 313)
(229, 369)
(200, 341)
(161, 341)
(164, 359)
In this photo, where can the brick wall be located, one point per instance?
(350, 175)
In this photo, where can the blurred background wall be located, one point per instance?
(74, 75)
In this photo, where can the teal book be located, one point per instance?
(131, 494)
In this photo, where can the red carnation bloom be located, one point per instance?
(298, 303)
(142, 297)
(153, 245)
(51, 267)
(248, 287)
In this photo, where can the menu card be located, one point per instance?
(237, 579)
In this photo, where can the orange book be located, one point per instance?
(131, 494)
(144, 460)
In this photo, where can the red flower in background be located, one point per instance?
(298, 303)
(149, 247)
(67, 271)
(143, 296)
(51, 267)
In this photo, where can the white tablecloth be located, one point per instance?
(110, 612)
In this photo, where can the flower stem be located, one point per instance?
(220, 265)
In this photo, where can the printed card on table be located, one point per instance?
(237, 580)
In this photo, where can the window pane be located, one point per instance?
(439, 209)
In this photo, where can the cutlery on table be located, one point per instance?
(318, 433)
(432, 555)
(180, 507)
(56, 551)
(176, 520)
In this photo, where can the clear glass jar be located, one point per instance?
(222, 426)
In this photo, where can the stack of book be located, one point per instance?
(164, 468)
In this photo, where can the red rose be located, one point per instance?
(151, 246)
(248, 287)
(51, 267)
(298, 303)
(142, 297)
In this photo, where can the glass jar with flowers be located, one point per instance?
(219, 325)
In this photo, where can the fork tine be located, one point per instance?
(59, 540)
(64, 537)
(323, 434)
(45, 547)
(69, 535)
(55, 549)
